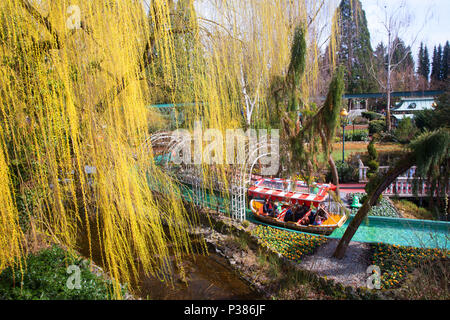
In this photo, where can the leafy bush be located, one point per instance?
(346, 172)
(377, 126)
(45, 278)
(370, 115)
(410, 210)
(382, 209)
(405, 131)
(357, 135)
(360, 120)
(433, 119)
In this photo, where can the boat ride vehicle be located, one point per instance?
(295, 205)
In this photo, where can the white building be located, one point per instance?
(408, 106)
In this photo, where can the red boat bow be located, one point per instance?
(294, 192)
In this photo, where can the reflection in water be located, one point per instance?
(207, 276)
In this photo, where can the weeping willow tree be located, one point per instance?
(306, 129)
(76, 78)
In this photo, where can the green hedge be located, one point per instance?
(370, 115)
(357, 135)
(377, 126)
(45, 278)
(346, 172)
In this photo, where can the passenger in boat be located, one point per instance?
(304, 221)
(312, 217)
(289, 216)
(268, 207)
(322, 213)
(320, 217)
(300, 212)
(278, 209)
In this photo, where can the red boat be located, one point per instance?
(314, 199)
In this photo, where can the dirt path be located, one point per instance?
(351, 270)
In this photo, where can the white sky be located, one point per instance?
(430, 20)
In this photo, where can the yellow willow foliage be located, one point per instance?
(11, 236)
(76, 80)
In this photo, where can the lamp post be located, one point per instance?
(344, 120)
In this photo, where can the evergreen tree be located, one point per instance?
(380, 57)
(445, 62)
(420, 59)
(402, 55)
(424, 62)
(436, 64)
(355, 51)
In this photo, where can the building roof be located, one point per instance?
(401, 116)
(410, 105)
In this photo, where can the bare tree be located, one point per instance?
(395, 24)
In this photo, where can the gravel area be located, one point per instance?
(351, 270)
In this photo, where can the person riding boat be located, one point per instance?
(278, 209)
(289, 216)
(300, 212)
(319, 220)
(312, 216)
(268, 207)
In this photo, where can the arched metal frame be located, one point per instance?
(192, 175)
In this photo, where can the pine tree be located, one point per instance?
(445, 62)
(423, 68)
(426, 63)
(436, 64)
(355, 51)
(420, 59)
(402, 55)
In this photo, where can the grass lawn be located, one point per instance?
(410, 210)
(360, 147)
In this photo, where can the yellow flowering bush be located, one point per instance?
(396, 262)
(292, 245)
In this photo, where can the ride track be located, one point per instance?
(395, 231)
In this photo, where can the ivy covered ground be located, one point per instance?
(45, 278)
(383, 209)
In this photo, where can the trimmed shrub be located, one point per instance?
(373, 159)
(370, 115)
(346, 173)
(357, 135)
(360, 120)
(377, 126)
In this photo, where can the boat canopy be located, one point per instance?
(294, 192)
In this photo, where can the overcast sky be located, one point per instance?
(430, 20)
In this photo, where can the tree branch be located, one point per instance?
(42, 20)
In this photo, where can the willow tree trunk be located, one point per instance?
(404, 164)
(334, 174)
